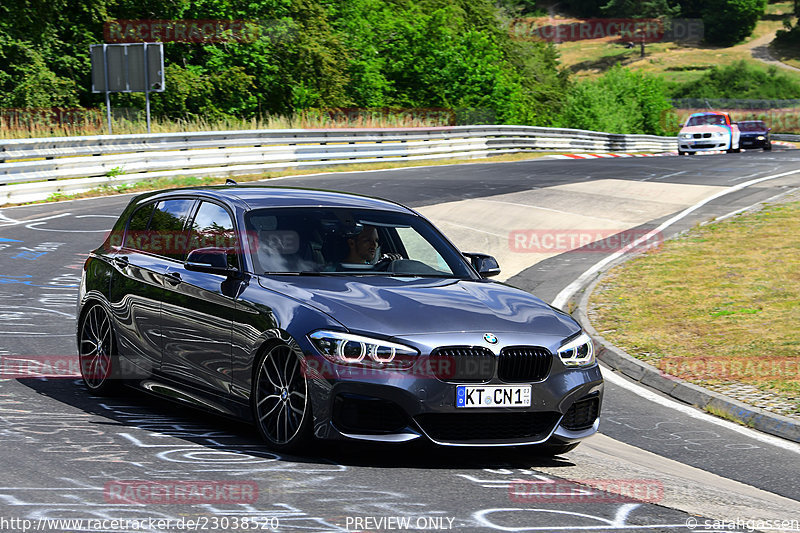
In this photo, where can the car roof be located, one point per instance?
(710, 113)
(260, 196)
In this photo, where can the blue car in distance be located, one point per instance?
(755, 134)
(324, 315)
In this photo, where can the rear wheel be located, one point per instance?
(97, 351)
(281, 402)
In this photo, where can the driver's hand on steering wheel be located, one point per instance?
(391, 257)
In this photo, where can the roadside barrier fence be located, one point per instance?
(34, 169)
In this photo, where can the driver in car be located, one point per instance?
(363, 249)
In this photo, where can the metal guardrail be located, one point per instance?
(785, 137)
(35, 168)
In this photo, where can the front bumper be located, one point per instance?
(396, 406)
(703, 145)
(753, 142)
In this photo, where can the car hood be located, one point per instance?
(395, 306)
(706, 128)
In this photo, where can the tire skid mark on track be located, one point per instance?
(333, 487)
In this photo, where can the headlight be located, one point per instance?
(345, 348)
(686, 135)
(760, 137)
(577, 352)
(717, 134)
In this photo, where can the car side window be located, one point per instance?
(166, 231)
(212, 227)
(137, 226)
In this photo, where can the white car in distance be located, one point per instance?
(709, 132)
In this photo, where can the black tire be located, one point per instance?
(281, 401)
(689, 153)
(768, 148)
(97, 351)
(681, 152)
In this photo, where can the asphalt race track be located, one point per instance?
(63, 452)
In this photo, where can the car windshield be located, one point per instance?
(702, 120)
(340, 241)
(752, 125)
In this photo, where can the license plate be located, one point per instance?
(493, 396)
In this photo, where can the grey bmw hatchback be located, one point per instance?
(318, 314)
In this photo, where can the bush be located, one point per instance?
(621, 101)
(446, 54)
(729, 21)
(741, 80)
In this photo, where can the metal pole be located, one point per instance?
(108, 97)
(146, 87)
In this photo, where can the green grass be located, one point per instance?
(676, 62)
(377, 118)
(719, 305)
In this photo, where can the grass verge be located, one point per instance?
(718, 306)
(35, 123)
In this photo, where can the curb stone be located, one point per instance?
(676, 388)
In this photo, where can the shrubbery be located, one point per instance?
(729, 21)
(355, 53)
(741, 81)
(621, 101)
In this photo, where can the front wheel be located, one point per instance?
(281, 402)
(97, 351)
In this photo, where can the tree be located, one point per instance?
(640, 9)
(729, 21)
(649, 9)
(446, 54)
(741, 81)
(621, 101)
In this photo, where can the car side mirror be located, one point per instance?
(209, 260)
(484, 264)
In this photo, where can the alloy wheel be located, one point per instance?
(282, 406)
(96, 348)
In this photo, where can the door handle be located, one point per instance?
(173, 278)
